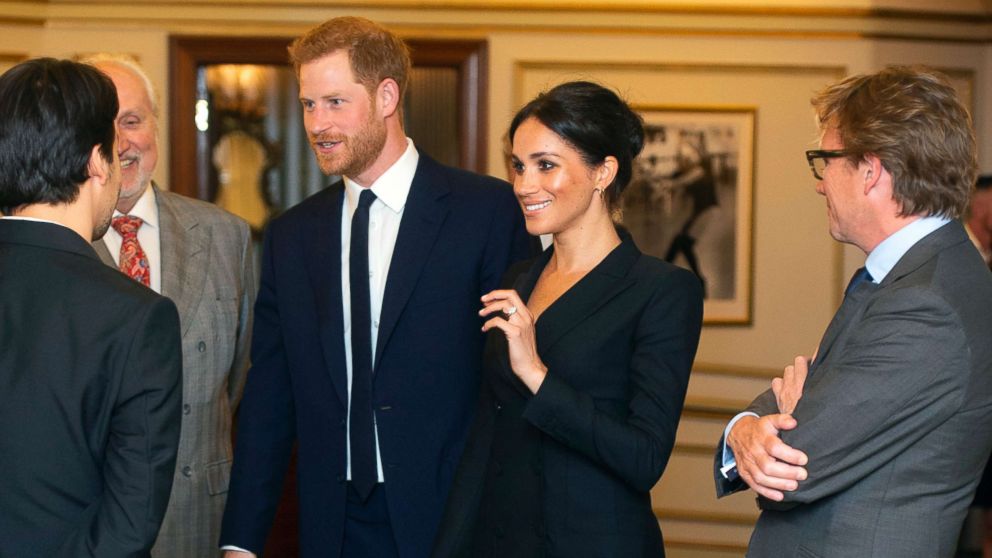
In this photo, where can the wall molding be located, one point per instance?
(473, 18)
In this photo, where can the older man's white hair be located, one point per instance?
(126, 62)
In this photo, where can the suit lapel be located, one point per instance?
(185, 250)
(321, 240)
(853, 305)
(598, 287)
(425, 210)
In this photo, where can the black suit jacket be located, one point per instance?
(619, 346)
(458, 234)
(90, 388)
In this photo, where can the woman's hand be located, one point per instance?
(509, 314)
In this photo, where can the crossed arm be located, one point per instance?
(901, 374)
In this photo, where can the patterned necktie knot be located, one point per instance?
(132, 260)
(127, 225)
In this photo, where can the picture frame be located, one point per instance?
(690, 200)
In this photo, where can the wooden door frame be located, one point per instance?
(188, 52)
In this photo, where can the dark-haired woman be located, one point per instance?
(587, 359)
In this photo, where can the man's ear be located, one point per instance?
(98, 168)
(873, 170)
(388, 96)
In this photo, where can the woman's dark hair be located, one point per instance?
(595, 121)
(52, 113)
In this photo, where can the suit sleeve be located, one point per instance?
(141, 450)
(636, 447)
(903, 374)
(764, 404)
(246, 309)
(266, 425)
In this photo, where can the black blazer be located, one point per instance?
(459, 233)
(90, 389)
(618, 346)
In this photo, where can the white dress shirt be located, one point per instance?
(148, 237)
(391, 190)
(385, 213)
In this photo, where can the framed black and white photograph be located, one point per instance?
(689, 202)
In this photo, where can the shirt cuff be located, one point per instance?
(728, 460)
(235, 548)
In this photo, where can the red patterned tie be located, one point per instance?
(133, 261)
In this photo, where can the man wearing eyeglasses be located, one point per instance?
(873, 447)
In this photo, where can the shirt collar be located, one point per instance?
(884, 257)
(36, 220)
(144, 208)
(393, 187)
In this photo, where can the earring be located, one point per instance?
(598, 191)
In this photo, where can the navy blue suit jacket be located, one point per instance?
(458, 234)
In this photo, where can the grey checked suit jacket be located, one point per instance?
(208, 271)
(896, 414)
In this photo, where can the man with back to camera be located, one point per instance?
(90, 363)
(367, 341)
(874, 447)
(200, 256)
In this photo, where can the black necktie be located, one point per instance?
(364, 474)
(860, 276)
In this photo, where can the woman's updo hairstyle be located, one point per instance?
(594, 121)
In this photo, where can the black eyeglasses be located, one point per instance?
(818, 158)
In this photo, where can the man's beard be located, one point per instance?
(360, 150)
(102, 227)
(106, 216)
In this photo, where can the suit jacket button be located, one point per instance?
(340, 479)
(498, 406)
(344, 423)
(187, 409)
(187, 471)
(201, 346)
